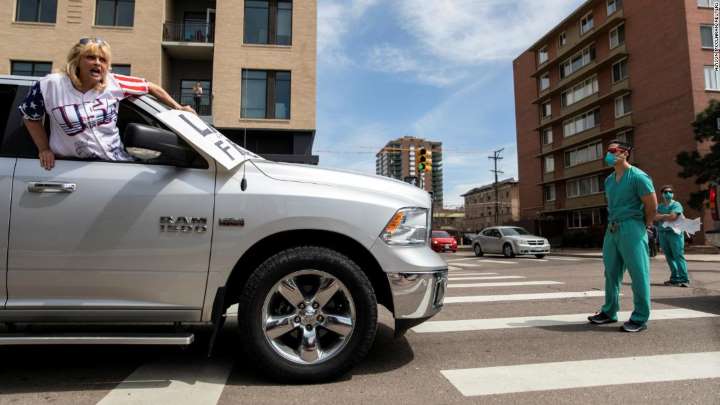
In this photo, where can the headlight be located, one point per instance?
(409, 226)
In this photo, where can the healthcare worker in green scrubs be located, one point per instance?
(631, 209)
(671, 243)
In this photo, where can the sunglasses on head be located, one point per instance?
(96, 40)
(616, 149)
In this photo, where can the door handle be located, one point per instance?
(51, 187)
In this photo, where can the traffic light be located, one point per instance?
(422, 161)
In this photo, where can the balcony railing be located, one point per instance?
(204, 109)
(189, 32)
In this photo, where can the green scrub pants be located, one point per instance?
(627, 247)
(673, 246)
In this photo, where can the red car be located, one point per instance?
(442, 242)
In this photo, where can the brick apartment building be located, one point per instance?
(637, 70)
(255, 60)
(397, 160)
(480, 205)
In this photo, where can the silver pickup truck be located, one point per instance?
(305, 254)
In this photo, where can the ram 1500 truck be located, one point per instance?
(198, 224)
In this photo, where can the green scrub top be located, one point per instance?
(624, 197)
(673, 208)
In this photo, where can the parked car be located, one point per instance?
(198, 224)
(443, 242)
(510, 241)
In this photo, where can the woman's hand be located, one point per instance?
(188, 109)
(47, 159)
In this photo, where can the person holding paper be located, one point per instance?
(82, 103)
(672, 243)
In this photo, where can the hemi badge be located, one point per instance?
(231, 222)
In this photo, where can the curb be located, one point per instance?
(598, 255)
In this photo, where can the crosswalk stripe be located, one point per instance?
(172, 382)
(453, 268)
(485, 278)
(523, 297)
(466, 264)
(584, 373)
(565, 259)
(542, 321)
(459, 260)
(453, 274)
(497, 261)
(504, 284)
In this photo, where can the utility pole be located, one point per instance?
(496, 156)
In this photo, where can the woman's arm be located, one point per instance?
(162, 95)
(38, 135)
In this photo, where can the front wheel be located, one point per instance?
(508, 250)
(307, 314)
(478, 250)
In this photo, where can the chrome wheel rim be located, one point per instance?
(308, 317)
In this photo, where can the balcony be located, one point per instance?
(621, 124)
(189, 40)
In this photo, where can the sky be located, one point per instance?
(439, 70)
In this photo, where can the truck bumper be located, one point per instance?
(416, 297)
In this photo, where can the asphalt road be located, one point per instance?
(524, 342)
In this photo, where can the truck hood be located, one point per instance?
(409, 194)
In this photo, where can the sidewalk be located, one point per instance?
(597, 253)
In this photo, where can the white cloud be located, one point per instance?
(335, 20)
(390, 59)
(471, 32)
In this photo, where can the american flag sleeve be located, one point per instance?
(132, 86)
(33, 107)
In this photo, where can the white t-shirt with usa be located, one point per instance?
(82, 125)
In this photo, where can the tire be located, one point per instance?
(508, 250)
(539, 256)
(264, 295)
(478, 250)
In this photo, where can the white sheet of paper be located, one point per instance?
(683, 224)
(206, 138)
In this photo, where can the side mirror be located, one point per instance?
(146, 142)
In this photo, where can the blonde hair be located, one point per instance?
(79, 51)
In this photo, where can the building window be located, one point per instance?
(577, 61)
(546, 110)
(712, 78)
(121, 69)
(549, 192)
(584, 154)
(43, 11)
(562, 39)
(581, 122)
(268, 22)
(706, 3)
(583, 187)
(119, 13)
(23, 68)
(544, 81)
(613, 6)
(586, 23)
(617, 36)
(626, 136)
(265, 94)
(622, 105)
(706, 36)
(580, 91)
(543, 55)
(549, 164)
(187, 95)
(620, 71)
(547, 136)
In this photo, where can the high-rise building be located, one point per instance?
(399, 159)
(637, 71)
(255, 60)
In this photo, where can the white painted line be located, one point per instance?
(485, 278)
(453, 268)
(471, 274)
(467, 264)
(564, 259)
(173, 382)
(459, 260)
(584, 373)
(504, 284)
(497, 261)
(523, 297)
(541, 321)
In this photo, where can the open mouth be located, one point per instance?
(96, 73)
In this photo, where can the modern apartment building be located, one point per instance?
(633, 70)
(254, 59)
(398, 160)
(481, 206)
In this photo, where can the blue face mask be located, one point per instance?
(610, 159)
(668, 196)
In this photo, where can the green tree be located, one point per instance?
(703, 168)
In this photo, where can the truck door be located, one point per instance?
(95, 237)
